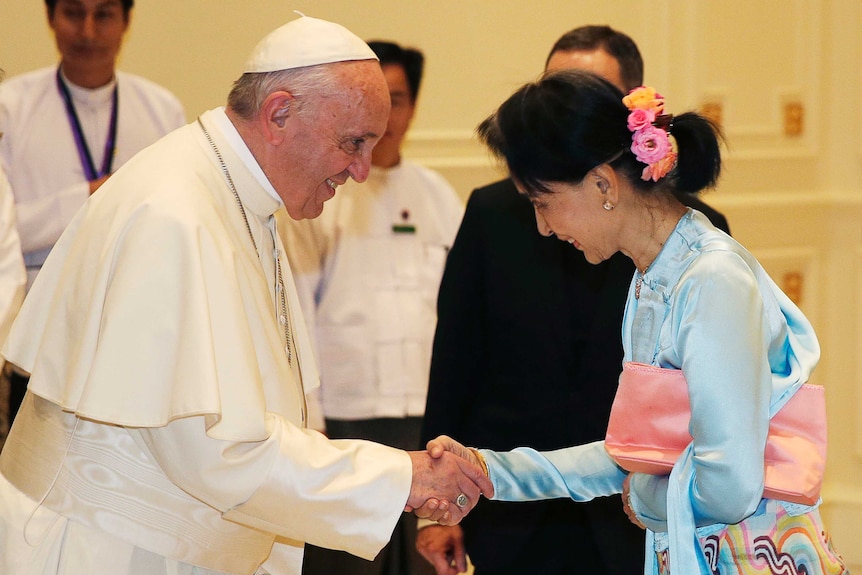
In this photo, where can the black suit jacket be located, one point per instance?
(528, 352)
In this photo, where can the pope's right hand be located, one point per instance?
(446, 487)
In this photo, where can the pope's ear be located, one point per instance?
(275, 111)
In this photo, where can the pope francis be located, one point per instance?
(163, 431)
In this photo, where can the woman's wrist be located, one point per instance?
(481, 458)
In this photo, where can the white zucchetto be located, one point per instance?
(306, 42)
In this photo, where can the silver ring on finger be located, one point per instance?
(461, 500)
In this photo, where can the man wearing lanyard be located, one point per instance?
(66, 128)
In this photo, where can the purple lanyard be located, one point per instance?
(81, 143)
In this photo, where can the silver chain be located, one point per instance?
(283, 318)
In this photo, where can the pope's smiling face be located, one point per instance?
(332, 139)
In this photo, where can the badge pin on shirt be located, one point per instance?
(404, 226)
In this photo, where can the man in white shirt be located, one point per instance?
(61, 140)
(66, 128)
(164, 428)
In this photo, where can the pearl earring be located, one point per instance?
(608, 206)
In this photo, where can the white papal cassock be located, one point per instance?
(164, 427)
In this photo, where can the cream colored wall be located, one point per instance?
(795, 200)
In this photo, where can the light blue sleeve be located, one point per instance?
(582, 473)
(718, 334)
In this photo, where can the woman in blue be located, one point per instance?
(602, 172)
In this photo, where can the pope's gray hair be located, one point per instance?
(252, 88)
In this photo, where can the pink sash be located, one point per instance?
(648, 429)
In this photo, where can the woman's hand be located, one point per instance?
(443, 443)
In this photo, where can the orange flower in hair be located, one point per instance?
(644, 98)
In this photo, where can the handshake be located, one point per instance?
(448, 480)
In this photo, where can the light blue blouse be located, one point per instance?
(706, 307)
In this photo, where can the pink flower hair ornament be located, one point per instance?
(652, 143)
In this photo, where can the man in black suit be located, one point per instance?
(528, 353)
